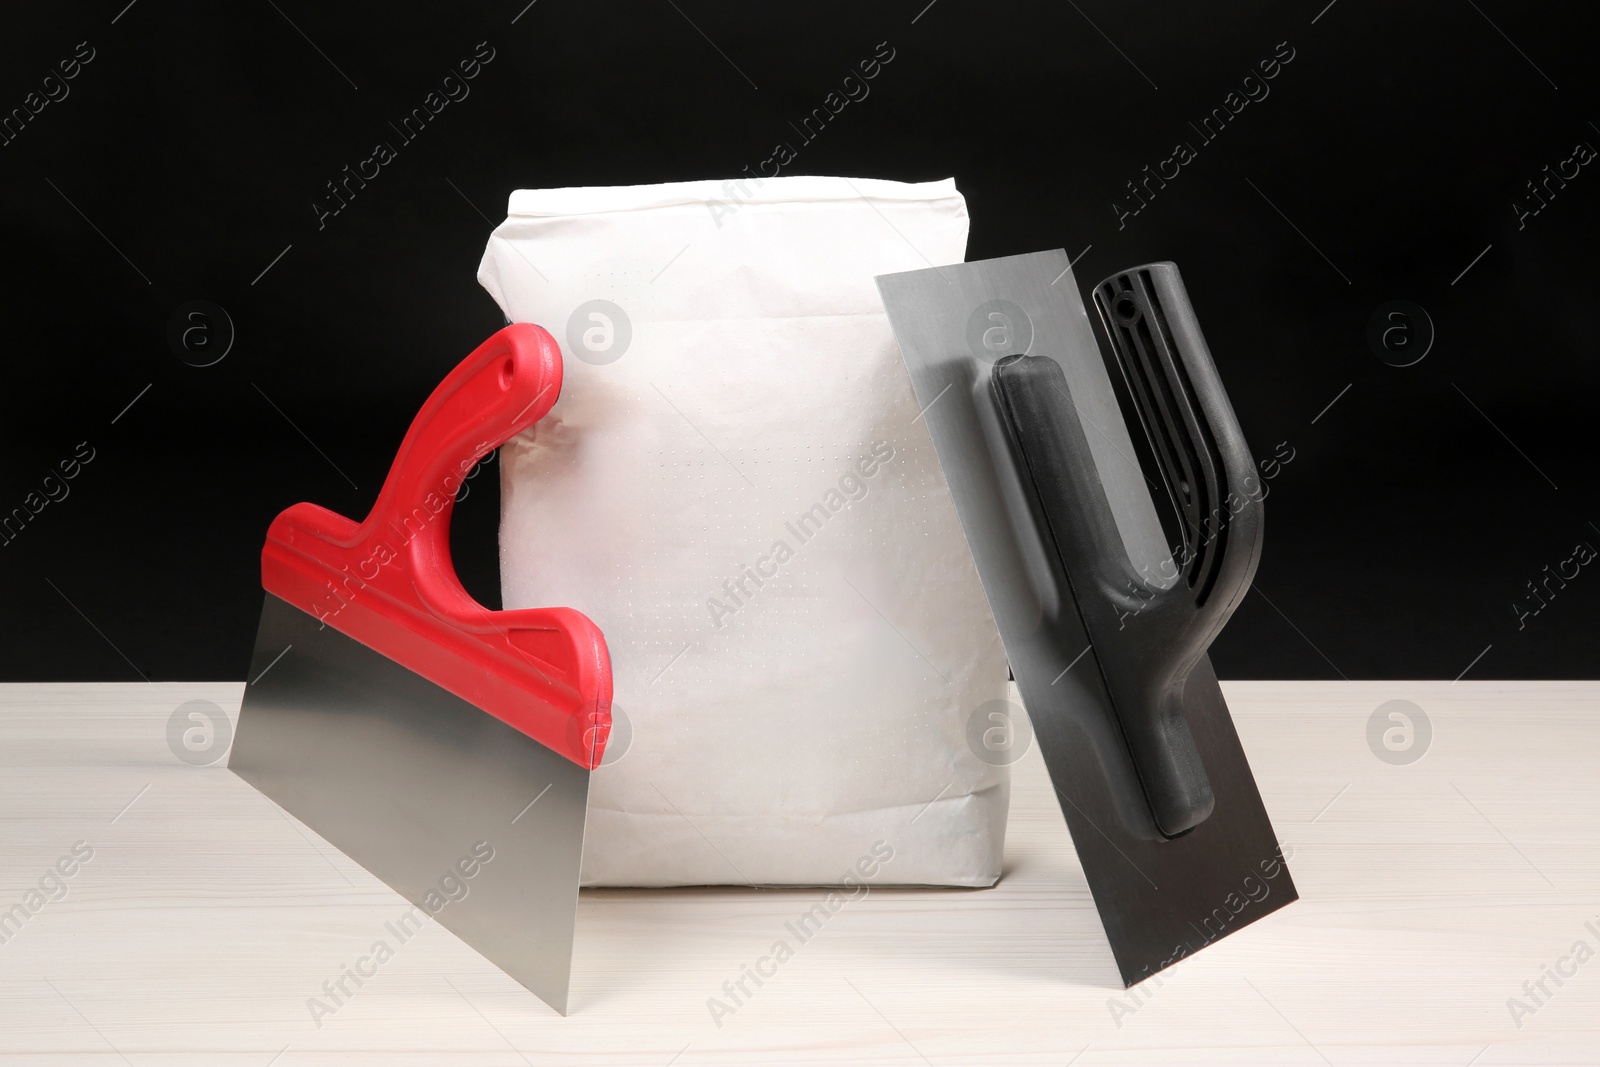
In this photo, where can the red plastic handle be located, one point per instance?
(389, 583)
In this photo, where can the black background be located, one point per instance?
(189, 152)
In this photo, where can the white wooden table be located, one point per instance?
(1431, 892)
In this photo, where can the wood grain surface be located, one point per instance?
(1436, 896)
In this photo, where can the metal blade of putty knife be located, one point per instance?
(1110, 560)
(444, 747)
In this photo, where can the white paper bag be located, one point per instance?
(736, 486)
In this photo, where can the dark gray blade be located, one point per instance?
(1160, 898)
(411, 781)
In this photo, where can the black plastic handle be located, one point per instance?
(1148, 635)
(1210, 477)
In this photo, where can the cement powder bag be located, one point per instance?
(737, 487)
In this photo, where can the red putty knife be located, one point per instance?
(444, 747)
